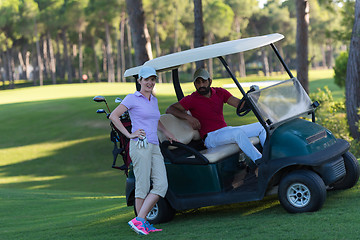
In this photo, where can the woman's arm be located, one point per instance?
(115, 119)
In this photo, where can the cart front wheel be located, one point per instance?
(352, 173)
(302, 191)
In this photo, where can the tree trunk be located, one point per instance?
(111, 72)
(199, 34)
(45, 57)
(67, 61)
(129, 44)
(27, 64)
(1, 74)
(323, 55)
(6, 68)
(242, 69)
(52, 59)
(139, 31)
(118, 55)
(330, 55)
(281, 51)
(80, 57)
(210, 67)
(96, 63)
(176, 31)
(352, 83)
(74, 71)
(9, 68)
(302, 68)
(265, 62)
(157, 42)
(105, 60)
(122, 45)
(60, 69)
(39, 60)
(14, 75)
(22, 65)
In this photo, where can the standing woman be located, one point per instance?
(148, 163)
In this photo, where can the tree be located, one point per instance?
(139, 31)
(218, 18)
(352, 85)
(243, 10)
(76, 12)
(9, 11)
(199, 34)
(302, 68)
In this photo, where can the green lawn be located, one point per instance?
(56, 180)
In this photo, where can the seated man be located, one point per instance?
(206, 108)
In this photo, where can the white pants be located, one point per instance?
(239, 135)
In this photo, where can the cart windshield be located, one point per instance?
(280, 102)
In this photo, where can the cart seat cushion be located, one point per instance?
(180, 128)
(220, 152)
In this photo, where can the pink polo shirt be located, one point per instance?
(144, 114)
(209, 111)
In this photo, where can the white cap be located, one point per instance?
(146, 72)
(201, 72)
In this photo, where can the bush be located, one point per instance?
(340, 69)
(332, 115)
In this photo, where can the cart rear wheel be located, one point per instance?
(302, 191)
(352, 173)
(161, 212)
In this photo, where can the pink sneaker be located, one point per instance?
(138, 226)
(150, 228)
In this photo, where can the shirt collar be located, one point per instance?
(138, 94)
(199, 95)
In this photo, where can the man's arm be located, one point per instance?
(180, 112)
(234, 101)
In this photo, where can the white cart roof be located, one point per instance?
(175, 60)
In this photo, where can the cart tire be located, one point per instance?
(302, 191)
(160, 213)
(352, 173)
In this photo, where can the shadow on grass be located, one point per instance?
(63, 144)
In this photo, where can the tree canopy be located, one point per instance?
(61, 40)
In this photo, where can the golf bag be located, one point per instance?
(121, 143)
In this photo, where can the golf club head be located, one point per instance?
(101, 111)
(99, 99)
(118, 100)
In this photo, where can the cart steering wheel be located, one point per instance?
(242, 111)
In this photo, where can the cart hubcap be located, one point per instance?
(298, 195)
(153, 212)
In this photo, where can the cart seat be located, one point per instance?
(220, 152)
(180, 128)
(184, 133)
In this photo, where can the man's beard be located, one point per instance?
(203, 90)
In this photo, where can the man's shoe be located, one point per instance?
(258, 161)
(139, 226)
(150, 228)
(252, 165)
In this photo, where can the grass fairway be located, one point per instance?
(56, 180)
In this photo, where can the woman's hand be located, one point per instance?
(140, 133)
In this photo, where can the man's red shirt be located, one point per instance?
(209, 111)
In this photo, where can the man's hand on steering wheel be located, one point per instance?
(243, 108)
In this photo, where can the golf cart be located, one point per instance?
(301, 159)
